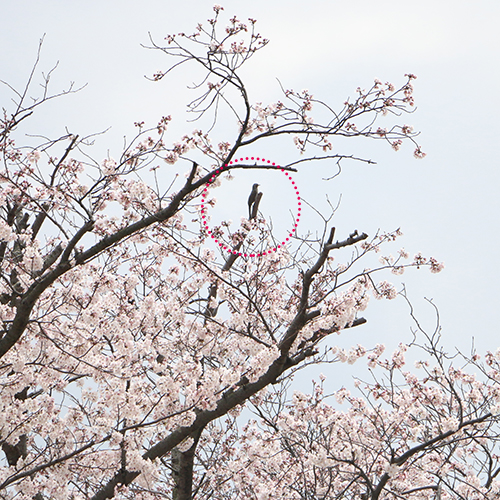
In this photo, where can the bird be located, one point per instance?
(252, 198)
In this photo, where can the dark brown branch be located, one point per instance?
(301, 318)
(440, 437)
(40, 218)
(41, 467)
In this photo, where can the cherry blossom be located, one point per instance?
(131, 346)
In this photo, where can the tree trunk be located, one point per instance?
(182, 470)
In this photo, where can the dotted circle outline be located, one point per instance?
(222, 245)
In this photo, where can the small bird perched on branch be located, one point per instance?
(252, 198)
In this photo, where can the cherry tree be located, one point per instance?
(134, 333)
(432, 435)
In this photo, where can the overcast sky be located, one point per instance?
(447, 205)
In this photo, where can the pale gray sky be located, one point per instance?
(447, 204)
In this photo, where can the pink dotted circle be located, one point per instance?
(223, 245)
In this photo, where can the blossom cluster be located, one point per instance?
(414, 434)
